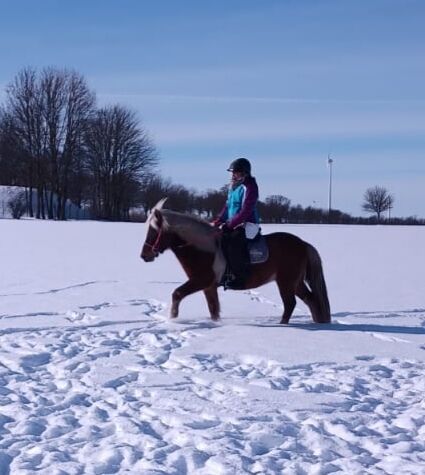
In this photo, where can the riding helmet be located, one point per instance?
(240, 165)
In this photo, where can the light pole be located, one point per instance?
(330, 162)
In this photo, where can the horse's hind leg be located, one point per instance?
(289, 302)
(308, 298)
(211, 295)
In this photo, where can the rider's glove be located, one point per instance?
(225, 228)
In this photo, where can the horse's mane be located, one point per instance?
(192, 229)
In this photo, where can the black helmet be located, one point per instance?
(240, 165)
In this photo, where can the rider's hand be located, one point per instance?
(216, 223)
(224, 228)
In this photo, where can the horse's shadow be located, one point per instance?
(380, 314)
(361, 327)
(352, 327)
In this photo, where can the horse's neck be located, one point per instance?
(197, 238)
(193, 260)
(176, 242)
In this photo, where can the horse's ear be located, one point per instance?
(158, 217)
(160, 203)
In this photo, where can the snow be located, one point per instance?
(95, 379)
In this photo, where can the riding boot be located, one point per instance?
(228, 275)
(237, 254)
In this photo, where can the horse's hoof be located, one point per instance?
(284, 322)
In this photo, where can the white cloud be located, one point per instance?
(179, 98)
(181, 119)
(297, 128)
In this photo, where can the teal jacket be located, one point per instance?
(241, 204)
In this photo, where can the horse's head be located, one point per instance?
(156, 237)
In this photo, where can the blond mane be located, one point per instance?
(191, 229)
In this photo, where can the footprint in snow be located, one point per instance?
(96, 307)
(82, 317)
(365, 358)
(29, 362)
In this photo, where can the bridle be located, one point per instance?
(155, 246)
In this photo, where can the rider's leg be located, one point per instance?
(238, 257)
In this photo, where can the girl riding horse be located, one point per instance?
(293, 264)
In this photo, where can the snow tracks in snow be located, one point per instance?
(99, 396)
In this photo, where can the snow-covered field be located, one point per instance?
(94, 378)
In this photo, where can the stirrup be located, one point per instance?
(234, 283)
(226, 280)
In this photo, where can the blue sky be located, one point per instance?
(283, 83)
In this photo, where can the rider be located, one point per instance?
(239, 220)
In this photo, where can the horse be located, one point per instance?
(293, 264)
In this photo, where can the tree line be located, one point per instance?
(58, 145)
(274, 209)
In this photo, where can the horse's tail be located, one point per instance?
(316, 281)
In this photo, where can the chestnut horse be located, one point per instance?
(294, 264)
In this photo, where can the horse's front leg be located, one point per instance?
(189, 287)
(211, 295)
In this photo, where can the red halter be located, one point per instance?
(155, 245)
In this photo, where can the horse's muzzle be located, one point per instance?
(148, 257)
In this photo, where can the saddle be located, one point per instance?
(258, 250)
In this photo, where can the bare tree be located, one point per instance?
(67, 106)
(47, 113)
(181, 199)
(119, 155)
(377, 200)
(153, 188)
(275, 209)
(214, 201)
(11, 164)
(24, 117)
